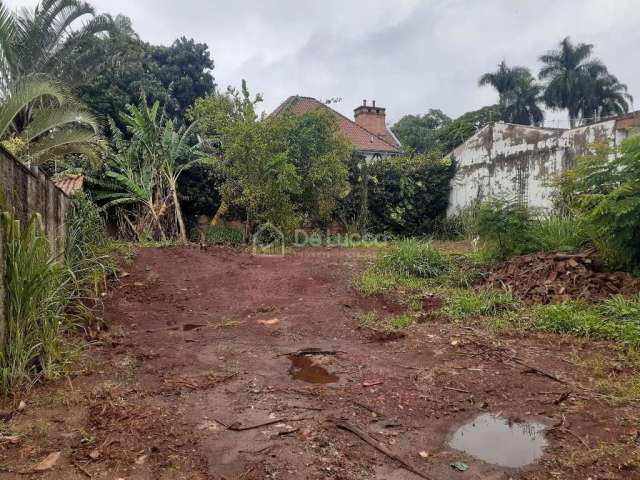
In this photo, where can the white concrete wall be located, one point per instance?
(518, 162)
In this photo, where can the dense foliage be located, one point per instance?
(604, 192)
(286, 170)
(175, 75)
(405, 195)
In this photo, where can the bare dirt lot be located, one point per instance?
(220, 365)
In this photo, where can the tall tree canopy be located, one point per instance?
(175, 75)
(581, 84)
(436, 135)
(417, 132)
(519, 94)
(284, 169)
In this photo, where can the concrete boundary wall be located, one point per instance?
(25, 192)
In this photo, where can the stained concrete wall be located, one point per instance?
(25, 192)
(518, 162)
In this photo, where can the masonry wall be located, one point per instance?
(518, 162)
(24, 193)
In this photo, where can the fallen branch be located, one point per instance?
(310, 351)
(538, 370)
(378, 446)
(236, 427)
(456, 389)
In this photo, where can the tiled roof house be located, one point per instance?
(368, 131)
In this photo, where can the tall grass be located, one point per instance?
(558, 232)
(48, 294)
(414, 258)
(37, 287)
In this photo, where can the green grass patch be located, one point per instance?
(413, 258)
(390, 323)
(617, 319)
(219, 235)
(559, 232)
(461, 304)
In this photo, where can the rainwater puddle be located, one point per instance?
(303, 368)
(188, 327)
(496, 440)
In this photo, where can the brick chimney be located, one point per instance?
(373, 119)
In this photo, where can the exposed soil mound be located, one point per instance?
(555, 277)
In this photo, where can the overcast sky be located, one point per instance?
(409, 55)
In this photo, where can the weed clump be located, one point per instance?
(414, 258)
(462, 304)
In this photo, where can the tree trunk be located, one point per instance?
(176, 203)
(222, 210)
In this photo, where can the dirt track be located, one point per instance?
(197, 355)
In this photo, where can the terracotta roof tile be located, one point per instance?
(360, 137)
(69, 184)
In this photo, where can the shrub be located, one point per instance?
(605, 191)
(505, 228)
(414, 258)
(405, 195)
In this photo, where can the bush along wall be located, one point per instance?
(408, 195)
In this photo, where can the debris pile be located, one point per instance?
(555, 277)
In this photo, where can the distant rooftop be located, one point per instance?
(363, 139)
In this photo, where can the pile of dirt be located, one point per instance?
(555, 277)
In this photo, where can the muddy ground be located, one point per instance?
(201, 375)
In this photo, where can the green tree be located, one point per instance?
(49, 38)
(407, 195)
(604, 190)
(319, 153)
(521, 103)
(504, 79)
(282, 169)
(418, 132)
(605, 96)
(578, 83)
(175, 75)
(38, 118)
(519, 94)
(145, 170)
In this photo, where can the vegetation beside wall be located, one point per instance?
(48, 294)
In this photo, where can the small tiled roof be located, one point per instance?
(69, 184)
(360, 137)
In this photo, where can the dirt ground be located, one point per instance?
(201, 375)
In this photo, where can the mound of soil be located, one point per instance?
(555, 277)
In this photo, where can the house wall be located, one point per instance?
(24, 193)
(518, 162)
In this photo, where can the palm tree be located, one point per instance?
(46, 41)
(569, 72)
(605, 96)
(46, 121)
(519, 94)
(521, 103)
(504, 79)
(34, 109)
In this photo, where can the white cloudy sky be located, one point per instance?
(409, 55)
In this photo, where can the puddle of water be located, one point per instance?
(496, 440)
(303, 368)
(188, 327)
